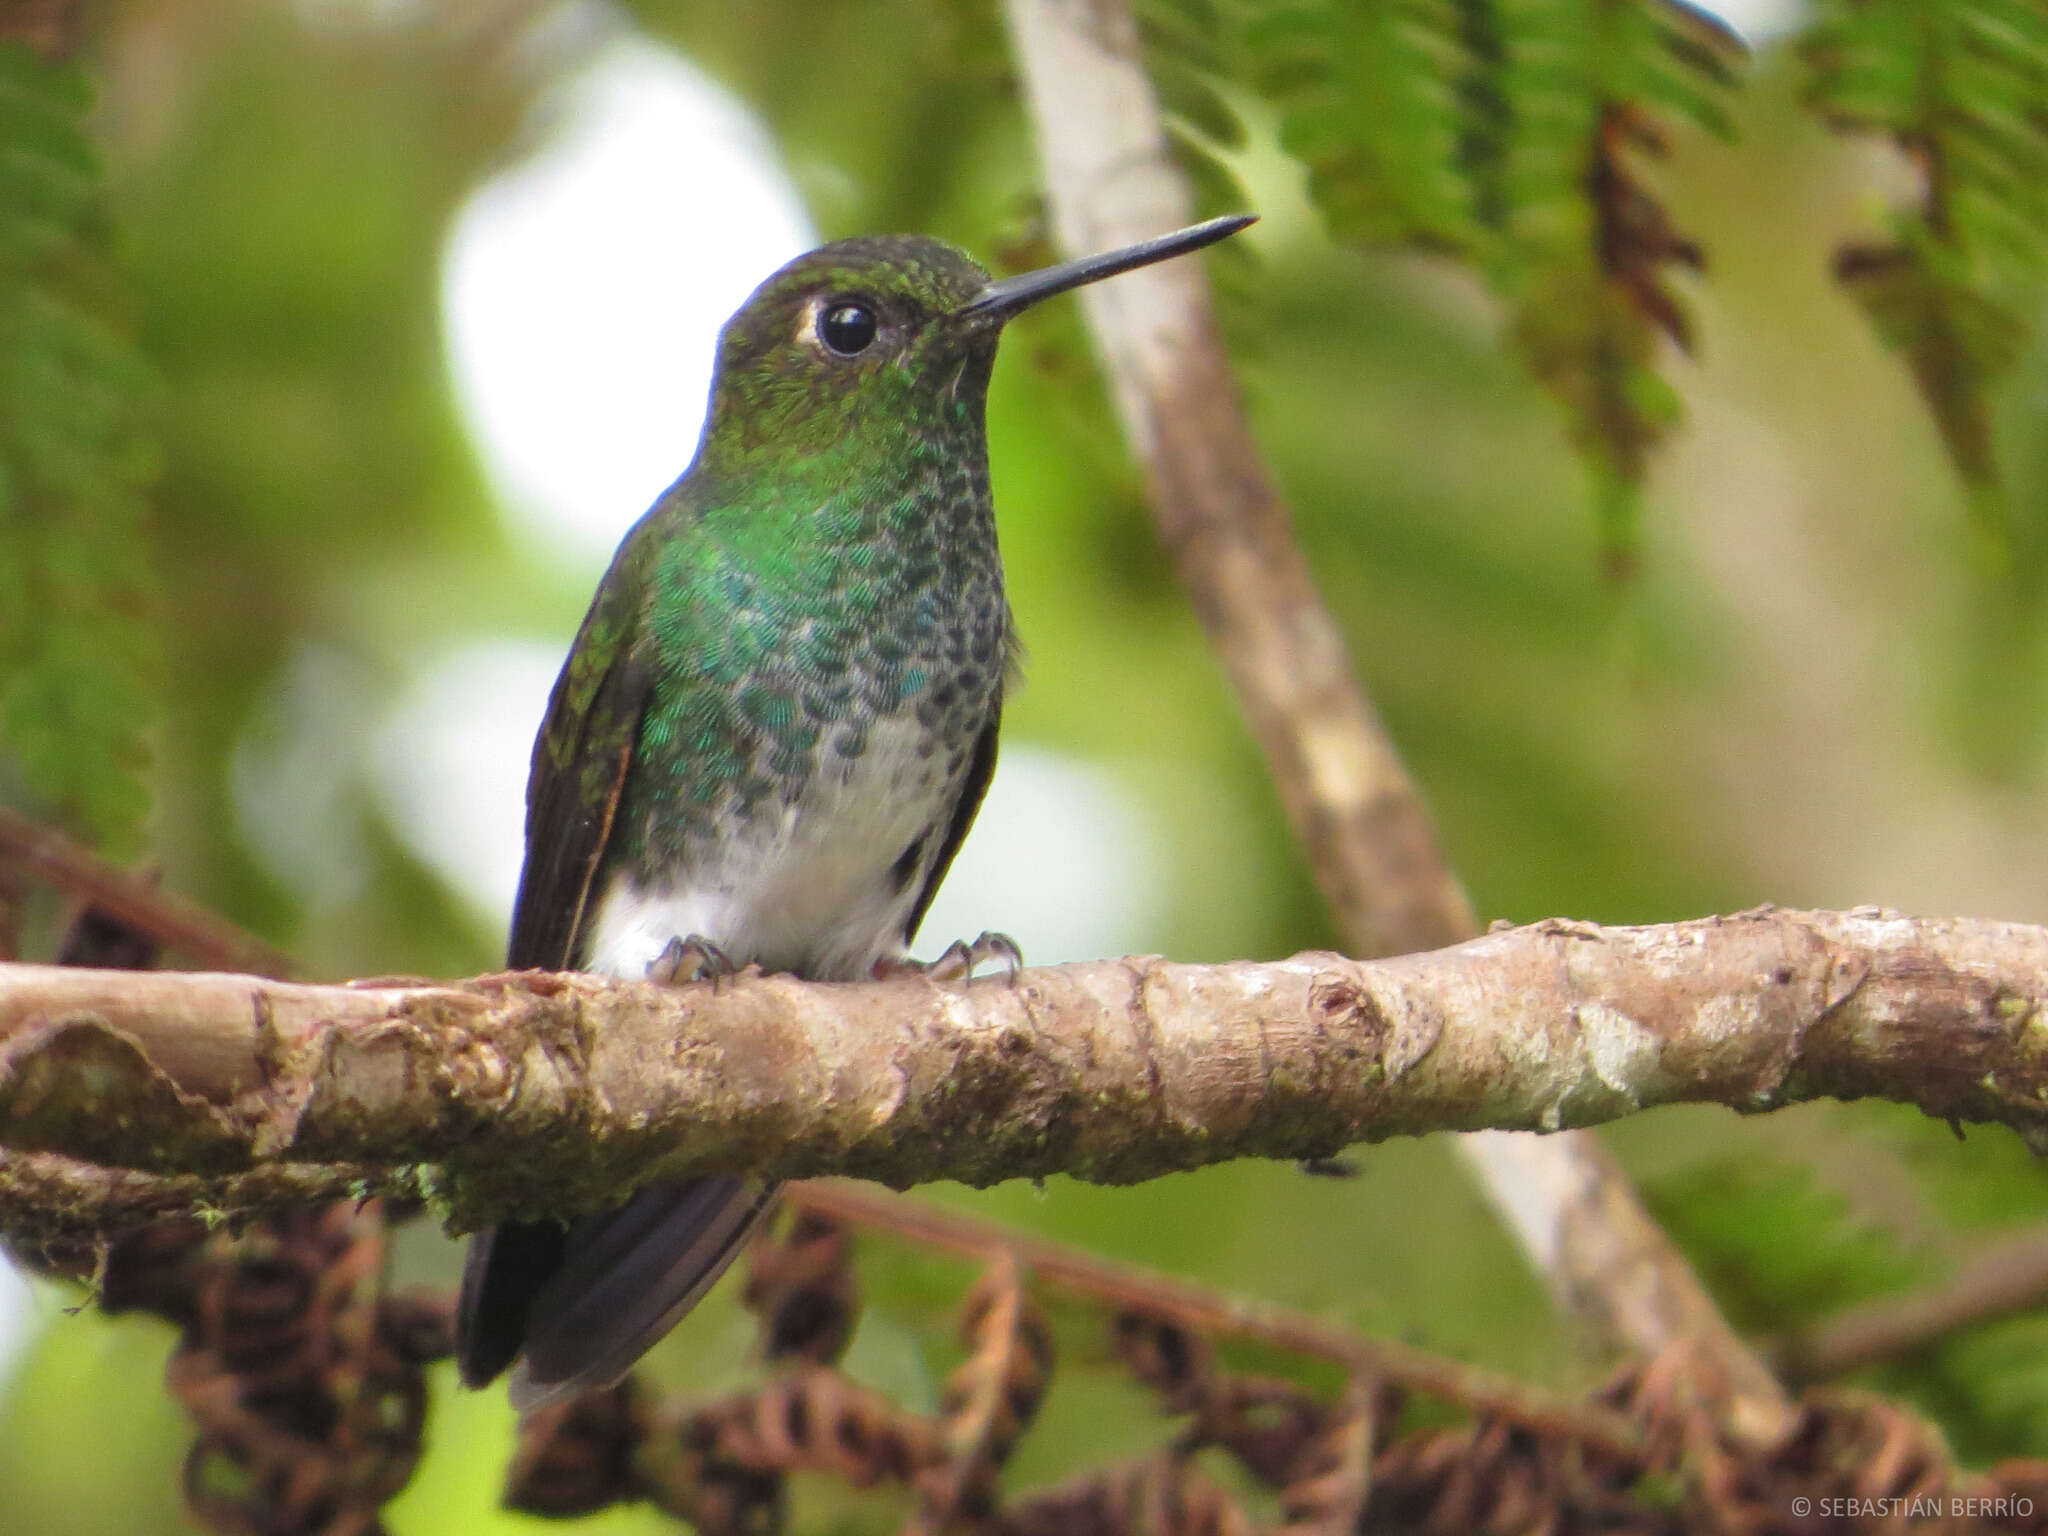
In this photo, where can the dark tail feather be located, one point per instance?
(584, 1302)
(625, 1278)
(504, 1269)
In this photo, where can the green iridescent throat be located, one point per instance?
(807, 600)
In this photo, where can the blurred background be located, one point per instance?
(430, 294)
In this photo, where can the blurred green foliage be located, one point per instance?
(1812, 691)
(75, 632)
(1960, 287)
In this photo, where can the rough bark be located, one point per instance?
(538, 1092)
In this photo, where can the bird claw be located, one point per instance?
(696, 958)
(960, 960)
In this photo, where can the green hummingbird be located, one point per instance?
(773, 730)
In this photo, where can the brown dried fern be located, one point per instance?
(990, 1400)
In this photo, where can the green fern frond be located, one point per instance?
(1959, 288)
(1191, 62)
(1778, 1248)
(1584, 246)
(74, 626)
(1186, 58)
(1508, 132)
(1184, 43)
(1370, 104)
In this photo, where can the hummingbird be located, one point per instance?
(773, 730)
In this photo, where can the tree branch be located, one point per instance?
(537, 1092)
(1111, 179)
(133, 900)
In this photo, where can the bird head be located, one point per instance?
(883, 332)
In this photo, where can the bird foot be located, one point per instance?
(960, 960)
(696, 958)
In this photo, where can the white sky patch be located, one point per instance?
(293, 777)
(1757, 20)
(1062, 858)
(449, 765)
(584, 288)
(18, 1317)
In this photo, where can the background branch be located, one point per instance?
(133, 900)
(1203, 1310)
(2008, 1279)
(542, 1092)
(1110, 179)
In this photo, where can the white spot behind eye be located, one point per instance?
(807, 324)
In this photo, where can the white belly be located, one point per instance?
(811, 887)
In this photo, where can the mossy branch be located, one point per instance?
(535, 1092)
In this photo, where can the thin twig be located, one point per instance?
(13, 899)
(1209, 1311)
(2009, 1279)
(50, 27)
(175, 922)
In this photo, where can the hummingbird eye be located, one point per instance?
(847, 329)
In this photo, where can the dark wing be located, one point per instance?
(579, 772)
(572, 799)
(980, 769)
